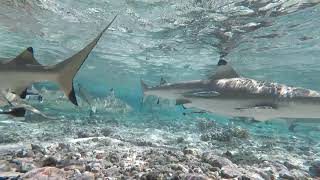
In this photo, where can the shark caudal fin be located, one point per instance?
(67, 69)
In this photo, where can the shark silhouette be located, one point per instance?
(17, 74)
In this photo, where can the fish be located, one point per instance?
(226, 93)
(108, 103)
(18, 74)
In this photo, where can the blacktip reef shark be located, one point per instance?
(226, 93)
(18, 74)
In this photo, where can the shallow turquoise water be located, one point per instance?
(177, 40)
(171, 39)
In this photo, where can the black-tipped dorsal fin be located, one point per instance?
(26, 57)
(224, 71)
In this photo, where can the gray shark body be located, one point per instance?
(228, 94)
(17, 74)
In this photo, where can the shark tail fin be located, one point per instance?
(67, 69)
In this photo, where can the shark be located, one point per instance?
(108, 103)
(228, 94)
(19, 73)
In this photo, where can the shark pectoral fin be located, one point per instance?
(224, 71)
(26, 57)
(182, 101)
(33, 110)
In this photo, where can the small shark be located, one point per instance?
(226, 93)
(18, 74)
(109, 103)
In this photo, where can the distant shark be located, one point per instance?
(17, 74)
(226, 93)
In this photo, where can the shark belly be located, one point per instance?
(248, 109)
(12, 80)
(233, 108)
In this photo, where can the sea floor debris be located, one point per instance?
(141, 151)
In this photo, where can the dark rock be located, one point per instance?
(49, 161)
(217, 161)
(114, 158)
(38, 149)
(152, 175)
(299, 174)
(194, 177)
(113, 171)
(230, 172)
(99, 156)
(315, 168)
(106, 132)
(142, 142)
(290, 165)
(24, 153)
(94, 167)
(64, 146)
(180, 140)
(286, 175)
(274, 165)
(214, 169)
(179, 167)
(187, 151)
(304, 148)
(77, 156)
(83, 134)
(228, 154)
(95, 139)
(205, 167)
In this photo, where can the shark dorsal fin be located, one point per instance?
(26, 57)
(224, 71)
